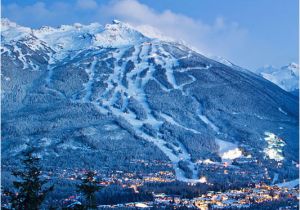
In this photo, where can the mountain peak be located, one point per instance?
(116, 22)
(6, 22)
(286, 77)
(293, 65)
(11, 31)
(121, 27)
(75, 37)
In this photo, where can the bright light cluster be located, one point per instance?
(203, 179)
(232, 154)
(274, 149)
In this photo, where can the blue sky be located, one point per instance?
(250, 33)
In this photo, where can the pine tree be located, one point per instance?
(30, 187)
(89, 187)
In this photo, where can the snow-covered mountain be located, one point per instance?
(286, 77)
(111, 97)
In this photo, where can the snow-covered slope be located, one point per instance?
(286, 77)
(67, 38)
(118, 98)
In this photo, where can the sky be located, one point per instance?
(249, 33)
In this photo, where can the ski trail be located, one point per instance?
(169, 65)
(193, 68)
(290, 184)
(20, 56)
(208, 122)
(275, 178)
(135, 89)
(183, 155)
(172, 121)
(88, 86)
(50, 70)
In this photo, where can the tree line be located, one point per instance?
(30, 188)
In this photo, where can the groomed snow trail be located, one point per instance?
(135, 89)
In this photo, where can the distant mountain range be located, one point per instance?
(286, 77)
(109, 97)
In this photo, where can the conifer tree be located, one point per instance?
(30, 190)
(89, 187)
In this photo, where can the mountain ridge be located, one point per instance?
(286, 77)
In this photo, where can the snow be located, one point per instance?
(274, 148)
(232, 154)
(77, 37)
(194, 68)
(286, 77)
(290, 184)
(275, 178)
(203, 179)
(116, 21)
(21, 56)
(136, 89)
(282, 111)
(141, 205)
(50, 72)
(154, 33)
(184, 156)
(70, 40)
(118, 34)
(228, 151)
(11, 31)
(168, 63)
(88, 86)
(222, 60)
(170, 120)
(89, 131)
(208, 161)
(209, 123)
(110, 127)
(20, 148)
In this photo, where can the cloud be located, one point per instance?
(38, 14)
(87, 4)
(222, 37)
(26, 13)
